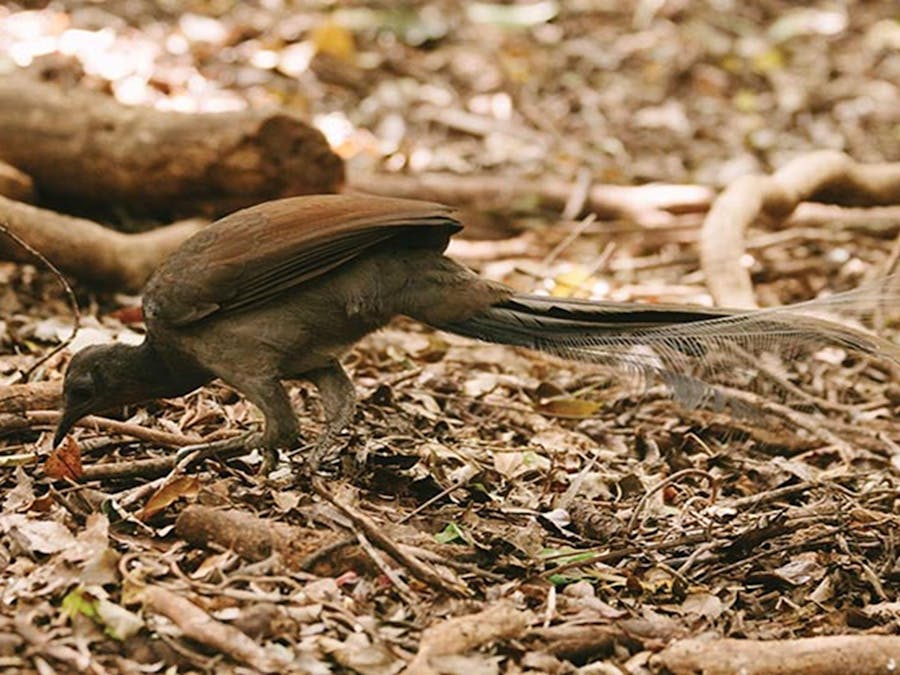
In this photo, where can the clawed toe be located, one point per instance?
(325, 458)
(231, 447)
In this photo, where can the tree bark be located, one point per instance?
(84, 148)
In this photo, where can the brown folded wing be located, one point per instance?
(249, 257)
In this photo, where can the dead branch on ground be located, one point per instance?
(652, 204)
(19, 398)
(256, 539)
(87, 250)
(197, 625)
(96, 254)
(461, 634)
(424, 573)
(15, 185)
(827, 655)
(31, 418)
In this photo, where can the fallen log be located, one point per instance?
(20, 398)
(825, 655)
(85, 149)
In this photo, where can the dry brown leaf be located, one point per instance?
(65, 461)
(182, 486)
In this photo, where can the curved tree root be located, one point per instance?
(825, 176)
(88, 251)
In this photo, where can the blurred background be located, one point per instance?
(654, 90)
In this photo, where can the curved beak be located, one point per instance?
(66, 422)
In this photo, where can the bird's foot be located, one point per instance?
(325, 458)
(269, 461)
(232, 447)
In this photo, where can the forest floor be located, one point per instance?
(573, 519)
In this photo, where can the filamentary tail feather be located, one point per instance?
(690, 349)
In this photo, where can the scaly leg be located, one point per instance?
(281, 427)
(282, 430)
(339, 401)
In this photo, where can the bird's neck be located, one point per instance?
(157, 376)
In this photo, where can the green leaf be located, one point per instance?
(567, 556)
(79, 602)
(564, 579)
(117, 622)
(451, 533)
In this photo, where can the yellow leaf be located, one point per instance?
(569, 407)
(574, 280)
(745, 101)
(333, 39)
(769, 60)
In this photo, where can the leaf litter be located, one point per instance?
(585, 522)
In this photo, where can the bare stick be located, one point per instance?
(632, 522)
(825, 655)
(373, 532)
(461, 634)
(70, 294)
(200, 626)
(39, 417)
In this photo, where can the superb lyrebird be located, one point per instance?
(283, 289)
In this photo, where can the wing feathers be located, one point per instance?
(251, 256)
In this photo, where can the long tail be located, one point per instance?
(692, 349)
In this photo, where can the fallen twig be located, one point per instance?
(200, 626)
(462, 634)
(40, 417)
(255, 538)
(376, 557)
(639, 507)
(70, 296)
(418, 569)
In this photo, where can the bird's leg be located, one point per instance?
(339, 401)
(281, 427)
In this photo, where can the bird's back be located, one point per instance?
(252, 256)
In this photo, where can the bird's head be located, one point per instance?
(98, 378)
